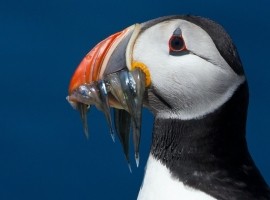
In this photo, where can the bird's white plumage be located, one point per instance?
(159, 184)
(194, 84)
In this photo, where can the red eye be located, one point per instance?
(176, 42)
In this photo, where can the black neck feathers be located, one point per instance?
(210, 153)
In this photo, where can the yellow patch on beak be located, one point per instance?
(140, 65)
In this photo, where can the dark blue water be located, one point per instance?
(43, 152)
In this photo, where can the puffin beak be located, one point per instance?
(108, 77)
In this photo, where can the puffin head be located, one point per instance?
(191, 74)
(177, 66)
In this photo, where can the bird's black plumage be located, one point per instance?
(210, 153)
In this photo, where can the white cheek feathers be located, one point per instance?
(196, 88)
(193, 84)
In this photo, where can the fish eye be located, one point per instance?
(84, 91)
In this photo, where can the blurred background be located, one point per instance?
(43, 152)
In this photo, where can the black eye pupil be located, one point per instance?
(177, 43)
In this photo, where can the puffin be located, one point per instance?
(186, 70)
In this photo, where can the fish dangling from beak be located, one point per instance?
(108, 77)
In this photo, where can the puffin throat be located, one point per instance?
(210, 153)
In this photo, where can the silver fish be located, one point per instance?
(123, 90)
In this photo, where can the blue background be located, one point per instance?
(43, 152)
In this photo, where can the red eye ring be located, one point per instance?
(176, 44)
